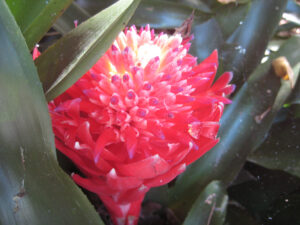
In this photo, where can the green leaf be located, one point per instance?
(194, 4)
(295, 96)
(65, 23)
(36, 17)
(246, 120)
(63, 63)
(252, 37)
(230, 17)
(95, 6)
(33, 189)
(162, 14)
(281, 150)
(209, 207)
(203, 45)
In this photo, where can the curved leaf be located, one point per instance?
(36, 17)
(295, 96)
(209, 207)
(195, 4)
(246, 120)
(281, 150)
(231, 16)
(63, 63)
(33, 189)
(162, 14)
(95, 6)
(251, 38)
(65, 23)
(203, 45)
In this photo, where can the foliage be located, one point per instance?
(253, 173)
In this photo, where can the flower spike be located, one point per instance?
(138, 117)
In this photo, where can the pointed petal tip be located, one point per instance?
(233, 87)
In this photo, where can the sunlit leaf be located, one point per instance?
(252, 37)
(68, 59)
(33, 189)
(36, 17)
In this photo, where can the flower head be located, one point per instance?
(138, 117)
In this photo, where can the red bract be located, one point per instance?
(138, 117)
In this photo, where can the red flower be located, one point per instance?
(138, 117)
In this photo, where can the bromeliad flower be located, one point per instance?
(138, 117)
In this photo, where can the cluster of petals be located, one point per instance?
(138, 117)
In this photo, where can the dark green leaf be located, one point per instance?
(295, 96)
(68, 59)
(203, 45)
(246, 120)
(281, 150)
(65, 23)
(164, 14)
(252, 37)
(209, 207)
(194, 4)
(36, 17)
(95, 6)
(33, 189)
(230, 17)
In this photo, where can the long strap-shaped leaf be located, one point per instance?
(244, 126)
(252, 37)
(209, 207)
(35, 17)
(33, 189)
(68, 59)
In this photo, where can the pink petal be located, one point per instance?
(107, 137)
(222, 81)
(121, 183)
(144, 169)
(36, 53)
(84, 133)
(94, 185)
(208, 129)
(206, 145)
(130, 136)
(166, 177)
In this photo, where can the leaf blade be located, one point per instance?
(229, 155)
(36, 17)
(29, 173)
(210, 206)
(63, 63)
